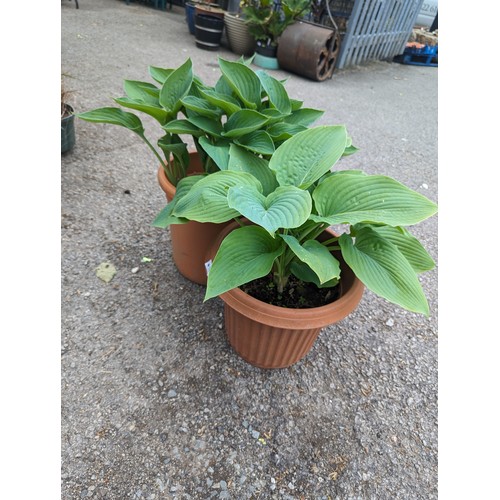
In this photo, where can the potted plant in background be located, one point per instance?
(239, 37)
(281, 272)
(235, 124)
(266, 20)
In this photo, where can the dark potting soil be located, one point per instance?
(297, 294)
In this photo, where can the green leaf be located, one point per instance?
(304, 273)
(201, 106)
(353, 198)
(276, 92)
(114, 116)
(243, 81)
(350, 150)
(172, 145)
(273, 115)
(159, 74)
(157, 112)
(207, 201)
(241, 160)
(208, 125)
(296, 104)
(383, 269)
(183, 126)
(259, 142)
(287, 207)
(219, 152)
(283, 131)
(141, 91)
(166, 217)
(246, 254)
(243, 122)
(408, 245)
(176, 86)
(316, 256)
(304, 116)
(305, 157)
(229, 104)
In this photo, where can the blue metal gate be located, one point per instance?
(377, 29)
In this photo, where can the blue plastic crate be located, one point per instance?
(424, 56)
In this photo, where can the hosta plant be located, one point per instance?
(291, 205)
(240, 120)
(267, 19)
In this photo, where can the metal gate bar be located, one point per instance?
(377, 29)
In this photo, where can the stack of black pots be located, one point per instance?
(209, 25)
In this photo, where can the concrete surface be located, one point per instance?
(155, 403)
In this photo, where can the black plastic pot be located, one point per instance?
(208, 31)
(266, 50)
(68, 130)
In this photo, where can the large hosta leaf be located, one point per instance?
(304, 116)
(176, 86)
(207, 200)
(141, 91)
(316, 256)
(226, 102)
(156, 111)
(243, 122)
(159, 74)
(353, 198)
(278, 96)
(245, 254)
(383, 269)
(305, 157)
(259, 142)
(241, 160)
(166, 217)
(200, 106)
(287, 207)
(218, 151)
(208, 125)
(183, 126)
(243, 81)
(283, 131)
(114, 116)
(409, 246)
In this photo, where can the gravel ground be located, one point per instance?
(155, 403)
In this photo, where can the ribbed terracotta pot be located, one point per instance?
(190, 241)
(240, 39)
(269, 336)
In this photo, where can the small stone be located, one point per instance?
(134, 270)
(255, 434)
(425, 186)
(223, 485)
(390, 322)
(171, 394)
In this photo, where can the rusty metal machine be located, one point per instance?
(309, 49)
